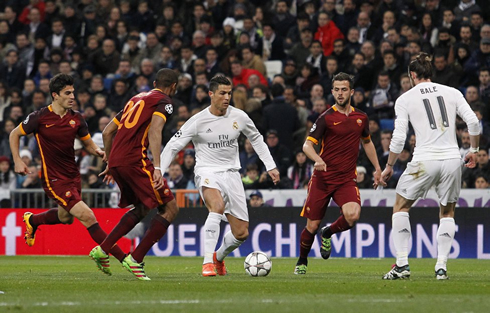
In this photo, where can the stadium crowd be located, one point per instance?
(113, 48)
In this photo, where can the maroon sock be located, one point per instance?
(157, 230)
(49, 217)
(127, 222)
(305, 241)
(339, 225)
(98, 235)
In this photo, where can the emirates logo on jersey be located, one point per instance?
(359, 122)
(235, 125)
(72, 123)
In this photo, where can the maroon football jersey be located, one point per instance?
(340, 138)
(55, 137)
(131, 141)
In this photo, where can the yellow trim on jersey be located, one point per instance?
(116, 121)
(157, 195)
(158, 90)
(85, 137)
(45, 170)
(366, 138)
(50, 108)
(22, 131)
(161, 115)
(312, 140)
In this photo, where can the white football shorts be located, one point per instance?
(420, 176)
(230, 185)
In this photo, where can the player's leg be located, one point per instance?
(216, 207)
(33, 221)
(445, 236)
(347, 196)
(231, 240)
(306, 240)
(158, 228)
(448, 189)
(401, 233)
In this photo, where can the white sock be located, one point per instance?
(401, 236)
(230, 243)
(211, 234)
(445, 236)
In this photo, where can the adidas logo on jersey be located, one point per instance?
(445, 235)
(209, 131)
(405, 231)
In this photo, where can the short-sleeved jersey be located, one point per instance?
(131, 141)
(340, 136)
(55, 136)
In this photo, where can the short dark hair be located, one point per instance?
(344, 76)
(422, 66)
(218, 80)
(166, 78)
(60, 81)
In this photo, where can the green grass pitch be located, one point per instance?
(73, 284)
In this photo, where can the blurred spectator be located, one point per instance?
(106, 61)
(31, 181)
(271, 46)
(443, 72)
(13, 71)
(483, 167)
(282, 20)
(257, 200)
(247, 156)
(479, 58)
(300, 172)
(280, 153)
(7, 182)
(241, 75)
(327, 32)
(4, 99)
(316, 58)
(251, 177)
(362, 180)
(383, 96)
(176, 178)
(465, 143)
(301, 50)
(481, 181)
(294, 33)
(252, 61)
(188, 165)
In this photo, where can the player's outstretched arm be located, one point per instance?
(274, 174)
(14, 140)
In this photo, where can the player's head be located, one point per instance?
(420, 68)
(220, 92)
(62, 91)
(166, 80)
(342, 88)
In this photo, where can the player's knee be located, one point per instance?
(352, 217)
(67, 220)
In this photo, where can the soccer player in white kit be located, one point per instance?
(214, 133)
(431, 109)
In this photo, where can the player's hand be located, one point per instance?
(274, 174)
(21, 168)
(108, 179)
(387, 173)
(378, 180)
(320, 166)
(470, 160)
(157, 179)
(100, 153)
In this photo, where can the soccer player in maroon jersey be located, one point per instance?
(126, 140)
(339, 130)
(55, 128)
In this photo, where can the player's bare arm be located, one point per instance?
(14, 140)
(155, 141)
(107, 136)
(92, 148)
(373, 158)
(309, 150)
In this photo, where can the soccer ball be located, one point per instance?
(258, 263)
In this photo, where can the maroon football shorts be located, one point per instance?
(320, 193)
(136, 185)
(66, 193)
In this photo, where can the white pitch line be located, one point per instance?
(97, 303)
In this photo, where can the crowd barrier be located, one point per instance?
(274, 230)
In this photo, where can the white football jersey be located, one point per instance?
(431, 108)
(215, 140)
